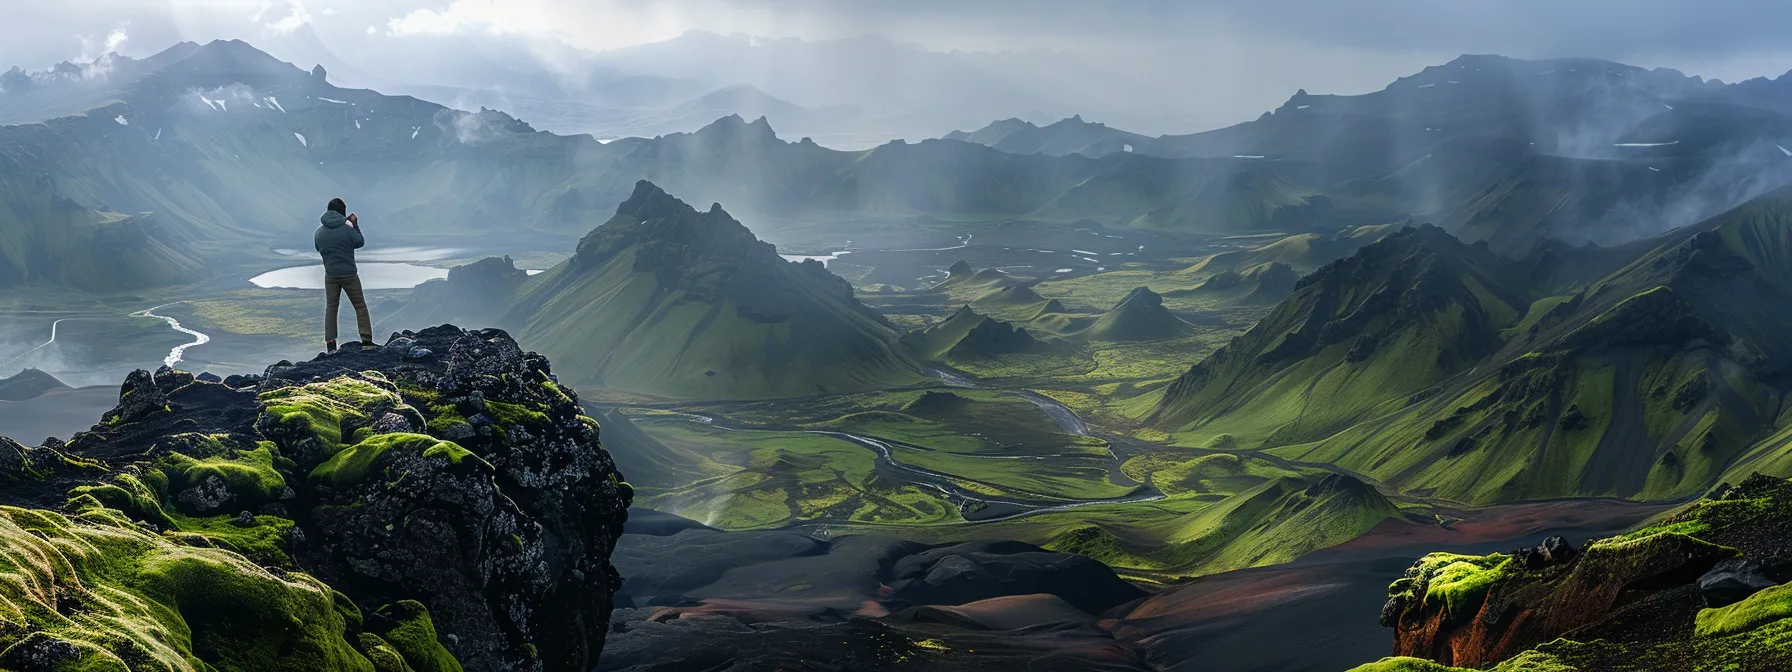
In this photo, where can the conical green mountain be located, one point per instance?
(669, 301)
(968, 335)
(1141, 316)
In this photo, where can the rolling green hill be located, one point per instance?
(669, 301)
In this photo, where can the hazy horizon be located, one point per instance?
(1144, 66)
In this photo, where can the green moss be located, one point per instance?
(382, 655)
(248, 474)
(127, 494)
(1764, 607)
(1462, 584)
(1405, 664)
(325, 408)
(554, 390)
(1458, 582)
(444, 418)
(263, 541)
(118, 593)
(514, 414)
(413, 635)
(352, 465)
(243, 618)
(1690, 528)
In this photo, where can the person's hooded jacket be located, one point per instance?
(337, 242)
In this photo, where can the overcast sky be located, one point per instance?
(1246, 55)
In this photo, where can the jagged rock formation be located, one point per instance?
(1643, 600)
(436, 504)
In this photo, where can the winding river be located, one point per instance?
(52, 341)
(982, 508)
(179, 351)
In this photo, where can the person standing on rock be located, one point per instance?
(336, 240)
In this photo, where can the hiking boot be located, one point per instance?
(367, 344)
(329, 346)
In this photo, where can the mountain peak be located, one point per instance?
(734, 126)
(676, 237)
(234, 58)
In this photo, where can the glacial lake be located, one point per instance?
(376, 275)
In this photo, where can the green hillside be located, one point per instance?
(669, 301)
(53, 239)
(1360, 334)
(1441, 369)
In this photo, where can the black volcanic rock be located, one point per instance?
(493, 548)
(1732, 581)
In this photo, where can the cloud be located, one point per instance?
(98, 54)
(296, 16)
(427, 22)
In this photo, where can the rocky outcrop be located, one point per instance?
(443, 496)
(1695, 591)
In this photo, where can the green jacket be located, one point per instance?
(337, 242)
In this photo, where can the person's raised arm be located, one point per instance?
(354, 225)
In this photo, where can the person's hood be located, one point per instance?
(333, 219)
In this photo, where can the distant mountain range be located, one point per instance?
(1650, 371)
(225, 145)
(1498, 149)
(228, 146)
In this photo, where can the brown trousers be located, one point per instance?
(334, 288)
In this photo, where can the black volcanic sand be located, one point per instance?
(694, 598)
(708, 600)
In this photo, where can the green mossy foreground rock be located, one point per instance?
(1664, 597)
(436, 505)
